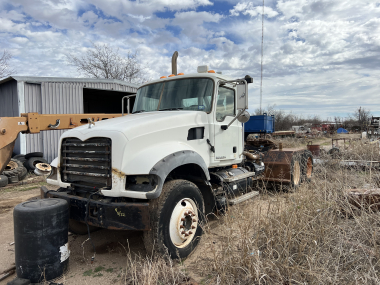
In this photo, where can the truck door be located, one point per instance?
(228, 143)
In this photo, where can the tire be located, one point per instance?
(177, 198)
(3, 180)
(13, 168)
(296, 170)
(33, 154)
(31, 162)
(80, 228)
(334, 152)
(307, 166)
(19, 156)
(23, 174)
(22, 159)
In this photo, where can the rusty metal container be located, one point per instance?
(278, 164)
(313, 148)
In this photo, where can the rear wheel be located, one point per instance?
(176, 220)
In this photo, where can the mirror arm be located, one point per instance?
(122, 103)
(225, 127)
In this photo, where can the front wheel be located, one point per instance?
(176, 220)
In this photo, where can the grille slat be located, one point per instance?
(85, 144)
(86, 173)
(87, 163)
(85, 166)
(87, 151)
(86, 159)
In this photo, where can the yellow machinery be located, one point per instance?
(31, 123)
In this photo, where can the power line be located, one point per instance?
(262, 55)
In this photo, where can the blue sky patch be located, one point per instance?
(220, 7)
(167, 14)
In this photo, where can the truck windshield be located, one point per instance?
(181, 94)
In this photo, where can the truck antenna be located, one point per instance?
(262, 55)
(174, 62)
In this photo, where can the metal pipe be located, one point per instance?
(251, 156)
(174, 62)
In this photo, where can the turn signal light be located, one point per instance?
(162, 77)
(234, 166)
(211, 71)
(181, 73)
(171, 75)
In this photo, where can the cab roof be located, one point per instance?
(214, 76)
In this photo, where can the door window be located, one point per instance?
(225, 105)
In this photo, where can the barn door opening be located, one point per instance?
(104, 101)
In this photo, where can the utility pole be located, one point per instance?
(262, 55)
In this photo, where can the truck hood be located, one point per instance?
(135, 125)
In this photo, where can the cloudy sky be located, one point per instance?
(320, 56)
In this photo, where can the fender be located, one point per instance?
(163, 167)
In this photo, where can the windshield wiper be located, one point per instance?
(139, 111)
(168, 109)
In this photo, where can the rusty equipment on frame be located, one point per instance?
(32, 123)
(282, 165)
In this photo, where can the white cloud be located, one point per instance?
(248, 8)
(320, 56)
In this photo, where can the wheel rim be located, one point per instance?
(183, 222)
(11, 166)
(296, 173)
(309, 167)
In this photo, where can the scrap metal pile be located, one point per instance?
(18, 167)
(282, 165)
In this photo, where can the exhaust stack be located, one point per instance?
(174, 62)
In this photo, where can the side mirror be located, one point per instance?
(242, 95)
(244, 117)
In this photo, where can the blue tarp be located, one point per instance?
(342, 131)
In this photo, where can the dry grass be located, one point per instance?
(153, 270)
(310, 235)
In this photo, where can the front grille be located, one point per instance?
(87, 162)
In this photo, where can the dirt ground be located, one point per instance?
(111, 246)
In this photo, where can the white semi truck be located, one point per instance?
(176, 157)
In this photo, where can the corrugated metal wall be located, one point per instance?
(32, 99)
(8, 99)
(58, 98)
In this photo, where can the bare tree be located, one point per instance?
(102, 61)
(5, 69)
(284, 121)
(361, 116)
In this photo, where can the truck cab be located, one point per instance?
(160, 168)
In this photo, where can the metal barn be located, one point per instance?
(56, 95)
